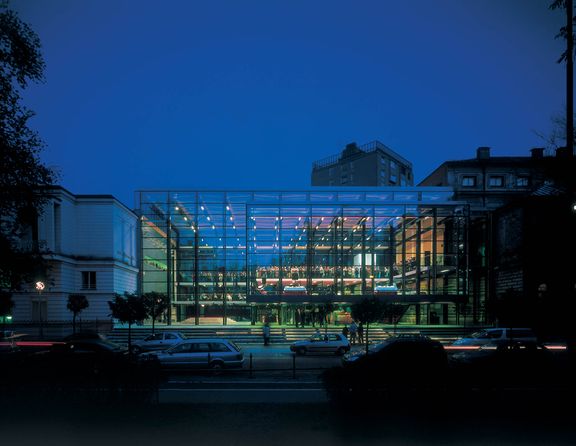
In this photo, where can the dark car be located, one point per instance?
(400, 364)
(78, 361)
(85, 335)
(505, 363)
(402, 355)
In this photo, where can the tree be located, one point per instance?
(128, 309)
(76, 303)
(367, 311)
(557, 136)
(156, 304)
(393, 312)
(327, 311)
(23, 177)
(567, 33)
(6, 305)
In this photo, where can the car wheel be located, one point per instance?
(340, 351)
(301, 351)
(216, 366)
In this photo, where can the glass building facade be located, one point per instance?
(234, 257)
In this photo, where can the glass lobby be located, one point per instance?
(242, 257)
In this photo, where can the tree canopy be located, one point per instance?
(156, 304)
(23, 177)
(76, 304)
(128, 309)
(368, 311)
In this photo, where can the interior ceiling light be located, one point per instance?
(202, 207)
(176, 208)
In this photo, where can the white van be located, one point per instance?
(490, 335)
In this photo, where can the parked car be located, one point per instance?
(496, 352)
(334, 343)
(208, 353)
(81, 361)
(404, 351)
(84, 335)
(85, 352)
(491, 335)
(506, 363)
(161, 340)
(395, 366)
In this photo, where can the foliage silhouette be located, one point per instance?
(76, 303)
(156, 304)
(128, 308)
(23, 177)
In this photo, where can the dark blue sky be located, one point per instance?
(239, 94)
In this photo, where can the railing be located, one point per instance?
(370, 147)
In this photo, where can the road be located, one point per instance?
(271, 374)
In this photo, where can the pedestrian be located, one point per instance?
(361, 333)
(345, 331)
(266, 333)
(353, 331)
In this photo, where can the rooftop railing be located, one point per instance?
(370, 147)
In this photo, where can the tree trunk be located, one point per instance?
(153, 321)
(130, 338)
(74, 323)
(367, 333)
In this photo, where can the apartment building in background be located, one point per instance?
(372, 164)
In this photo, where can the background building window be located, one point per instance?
(522, 181)
(468, 181)
(88, 280)
(496, 181)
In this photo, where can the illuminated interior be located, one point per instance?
(237, 257)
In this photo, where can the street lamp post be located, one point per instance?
(40, 287)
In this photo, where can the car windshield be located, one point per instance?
(109, 344)
(234, 345)
(381, 345)
(477, 335)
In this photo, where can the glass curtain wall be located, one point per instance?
(236, 257)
